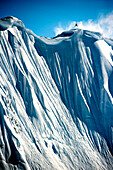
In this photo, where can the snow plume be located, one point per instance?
(59, 29)
(104, 25)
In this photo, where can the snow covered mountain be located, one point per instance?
(56, 99)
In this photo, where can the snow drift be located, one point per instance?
(56, 99)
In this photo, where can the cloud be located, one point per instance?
(59, 29)
(104, 25)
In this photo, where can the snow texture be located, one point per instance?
(56, 99)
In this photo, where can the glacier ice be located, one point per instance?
(56, 99)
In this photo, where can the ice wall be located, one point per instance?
(56, 99)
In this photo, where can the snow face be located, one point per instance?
(56, 99)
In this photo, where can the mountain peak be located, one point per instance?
(10, 21)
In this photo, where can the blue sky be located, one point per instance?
(43, 16)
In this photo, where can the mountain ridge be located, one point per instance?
(56, 98)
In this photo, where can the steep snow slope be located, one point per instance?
(56, 99)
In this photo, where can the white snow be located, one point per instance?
(56, 99)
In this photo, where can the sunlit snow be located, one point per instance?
(56, 99)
